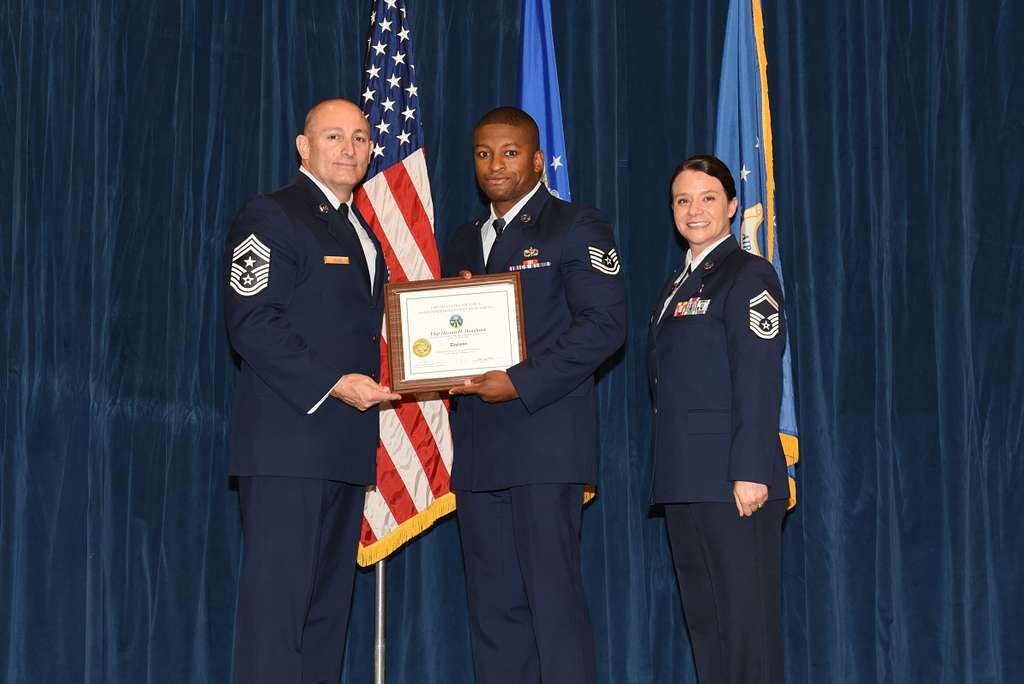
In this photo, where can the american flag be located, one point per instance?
(414, 457)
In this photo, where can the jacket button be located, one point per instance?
(373, 338)
(655, 410)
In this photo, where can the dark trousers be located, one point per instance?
(295, 589)
(528, 614)
(730, 577)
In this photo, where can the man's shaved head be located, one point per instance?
(323, 106)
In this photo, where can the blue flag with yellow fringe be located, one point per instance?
(538, 93)
(539, 97)
(743, 140)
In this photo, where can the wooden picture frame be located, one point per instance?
(468, 325)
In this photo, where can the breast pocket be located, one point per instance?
(341, 271)
(540, 282)
(340, 282)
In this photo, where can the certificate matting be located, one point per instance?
(441, 332)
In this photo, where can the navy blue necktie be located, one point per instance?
(499, 228)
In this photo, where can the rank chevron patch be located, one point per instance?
(764, 316)
(605, 262)
(250, 267)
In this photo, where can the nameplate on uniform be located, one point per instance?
(343, 260)
(695, 306)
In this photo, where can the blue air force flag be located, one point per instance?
(538, 93)
(743, 140)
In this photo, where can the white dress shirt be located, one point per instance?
(487, 234)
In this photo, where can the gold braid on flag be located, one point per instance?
(790, 444)
(766, 126)
(406, 531)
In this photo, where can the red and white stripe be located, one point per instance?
(414, 457)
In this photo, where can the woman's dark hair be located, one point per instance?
(713, 166)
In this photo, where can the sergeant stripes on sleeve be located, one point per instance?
(251, 274)
(764, 322)
(605, 262)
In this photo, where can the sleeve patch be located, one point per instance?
(764, 316)
(250, 267)
(605, 262)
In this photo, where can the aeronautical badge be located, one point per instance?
(250, 267)
(605, 262)
(764, 316)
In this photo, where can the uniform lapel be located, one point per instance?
(518, 228)
(318, 204)
(695, 283)
(665, 291)
(380, 273)
(476, 262)
(340, 229)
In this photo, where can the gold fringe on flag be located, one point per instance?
(380, 549)
(790, 444)
(393, 540)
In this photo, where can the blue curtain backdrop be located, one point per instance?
(134, 131)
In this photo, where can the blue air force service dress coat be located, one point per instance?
(300, 314)
(574, 305)
(716, 380)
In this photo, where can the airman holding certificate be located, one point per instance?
(525, 438)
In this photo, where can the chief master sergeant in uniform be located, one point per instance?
(526, 439)
(303, 310)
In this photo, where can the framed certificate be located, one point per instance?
(441, 332)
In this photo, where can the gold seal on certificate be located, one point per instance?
(441, 332)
